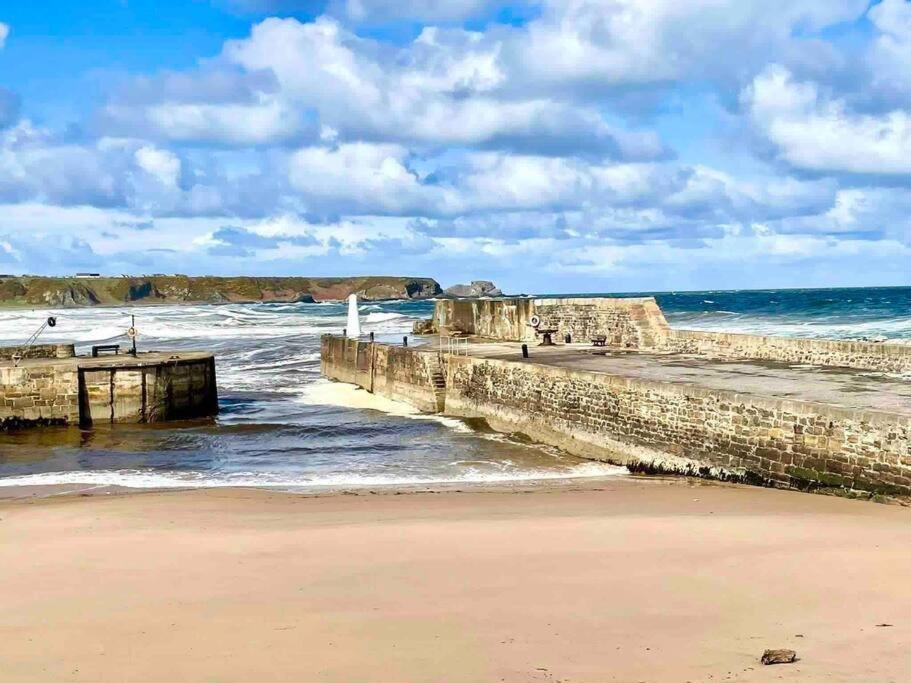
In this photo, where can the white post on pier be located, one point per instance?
(354, 320)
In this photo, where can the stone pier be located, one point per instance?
(791, 413)
(50, 385)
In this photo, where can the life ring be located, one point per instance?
(131, 333)
(534, 321)
(52, 322)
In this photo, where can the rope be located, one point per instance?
(23, 350)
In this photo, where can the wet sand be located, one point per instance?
(623, 580)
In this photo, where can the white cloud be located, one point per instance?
(599, 43)
(415, 10)
(265, 122)
(161, 164)
(308, 140)
(890, 54)
(445, 88)
(4, 34)
(362, 177)
(814, 131)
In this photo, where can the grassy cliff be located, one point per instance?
(162, 289)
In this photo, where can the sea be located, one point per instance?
(280, 425)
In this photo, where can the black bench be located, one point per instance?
(599, 340)
(105, 348)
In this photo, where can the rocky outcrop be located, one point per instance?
(69, 295)
(111, 291)
(477, 288)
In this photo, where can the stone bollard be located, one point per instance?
(524, 350)
(568, 338)
(405, 341)
(371, 336)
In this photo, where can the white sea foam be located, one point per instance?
(144, 479)
(324, 392)
(893, 331)
(383, 317)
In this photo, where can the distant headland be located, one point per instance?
(92, 289)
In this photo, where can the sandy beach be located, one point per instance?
(624, 580)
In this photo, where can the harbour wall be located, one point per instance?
(85, 391)
(645, 424)
(639, 324)
(46, 394)
(630, 322)
(156, 392)
(892, 358)
(409, 375)
(38, 351)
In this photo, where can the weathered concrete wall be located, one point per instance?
(850, 354)
(505, 319)
(45, 394)
(639, 324)
(77, 391)
(401, 374)
(156, 393)
(38, 351)
(635, 323)
(627, 322)
(670, 427)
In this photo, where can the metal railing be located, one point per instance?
(454, 346)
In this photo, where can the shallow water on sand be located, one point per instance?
(281, 425)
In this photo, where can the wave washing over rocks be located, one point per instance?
(282, 426)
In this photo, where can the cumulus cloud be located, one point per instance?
(290, 79)
(4, 34)
(815, 131)
(161, 164)
(364, 177)
(890, 54)
(591, 136)
(603, 43)
(211, 105)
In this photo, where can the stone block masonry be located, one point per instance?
(151, 387)
(646, 424)
(398, 373)
(892, 358)
(639, 324)
(38, 351)
(44, 394)
(633, 323)
(673, 427)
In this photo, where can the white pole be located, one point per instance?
(354, 320)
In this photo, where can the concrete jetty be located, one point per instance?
(794, 413)
(51, 385)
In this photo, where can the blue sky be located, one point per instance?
(553, 145)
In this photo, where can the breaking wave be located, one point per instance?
(168, 480)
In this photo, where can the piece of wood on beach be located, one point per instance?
(778, 657)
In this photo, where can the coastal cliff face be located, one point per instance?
(163, 289)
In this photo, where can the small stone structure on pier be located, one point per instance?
(809, 414)
(51, 385)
